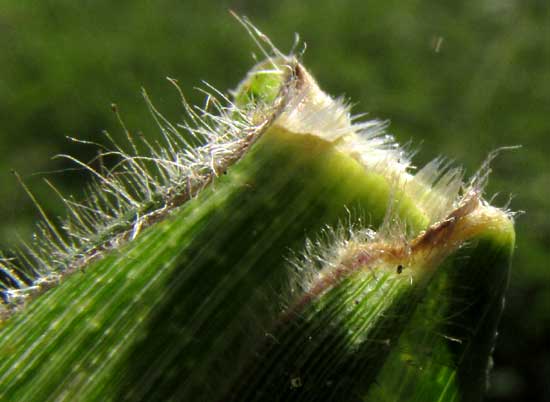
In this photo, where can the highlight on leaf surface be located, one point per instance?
(275, 247)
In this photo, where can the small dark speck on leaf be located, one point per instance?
(295, 382)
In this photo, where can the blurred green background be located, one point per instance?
(457, 79)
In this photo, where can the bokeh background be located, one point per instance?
(455, 78)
